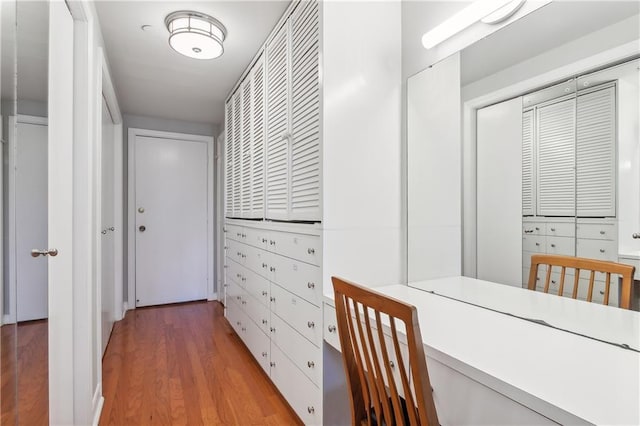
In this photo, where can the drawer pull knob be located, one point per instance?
(238, 234)
(264, 321)
(601, 250)
(391, 364)
(602, 292)
(264, 240)
(271, 242)
(237, 322)
(264, 293)
(310, 324)
(244, 302)
(331, 328)
(244, 279)
(237, 275)
(273, 364)
(272, 269)
(553, 281)
(244, 255)
(244, 329)
(238, 253)
(264, 265)
(602, 232)
(537, 229)
(244, 235)
(311, 364)
(553, 229)
(553, 245)
(272, 329)
(528, 231)
(238, 297)
(538, 244)
(311, 251)
(635, 235)
(311, 410)
(273, 299)
(264, 354)
(311, 285)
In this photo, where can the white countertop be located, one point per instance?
(565, 376)
(611, 324)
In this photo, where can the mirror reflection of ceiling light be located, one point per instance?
(195, 34)
(476, 11)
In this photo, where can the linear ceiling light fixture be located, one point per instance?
(495, 10)
(195, 34)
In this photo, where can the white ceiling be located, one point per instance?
(553, 25)
(151, 79)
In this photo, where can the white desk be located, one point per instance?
(485, 365)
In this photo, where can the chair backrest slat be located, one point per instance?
(593, 266)
(368, 344)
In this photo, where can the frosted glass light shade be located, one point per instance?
(196, 35)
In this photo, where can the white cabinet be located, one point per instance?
(274, 295)
(273, 133)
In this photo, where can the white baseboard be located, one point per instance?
(8, 319)
(213, 296)
(125, 308)
(98, 402)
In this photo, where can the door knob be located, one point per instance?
(45, 252)
(142, 228)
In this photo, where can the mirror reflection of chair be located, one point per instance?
(578, 265)
(382, 392)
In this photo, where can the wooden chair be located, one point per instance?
(366, 358)
(578, 265)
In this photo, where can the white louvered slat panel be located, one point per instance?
(246, 143)
(528, 189)
(305, 114)
(258, 151)
(556, 159)
(277, 161)
(228, 157)
(237, 155)
(596, 142)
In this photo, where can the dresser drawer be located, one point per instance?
(561, 229)
(331, 326)
(257, 286)
(561, 245)
(598, 289)
(533, 228)
(234, 232)
(257, 312)
(597, 249)
(533, 243)
(598, 231)
(305, 355)
(306, 248)
(234, 315)
(257, 260)
(236, 272)
(300, 392)
(256, 237)
(235, 292)
(298, 313)
(633, 262)
(237, 251)
(298, 277)
(542, 270)
(258, 343)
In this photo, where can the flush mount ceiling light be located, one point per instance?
(468, 16)
(195, 34)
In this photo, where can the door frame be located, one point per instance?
(133, 133)
(14, 120)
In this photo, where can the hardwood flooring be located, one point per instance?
(25, 368)
(183, 364)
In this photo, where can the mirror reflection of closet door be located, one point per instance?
(8, 335)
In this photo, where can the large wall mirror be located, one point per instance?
(527, 142)
(8, 336)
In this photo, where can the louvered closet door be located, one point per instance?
(257, 154)
(277, 183)
(237, 155)
(246, 133)
(596, 194)
(228, 160)
(556, 159)
(305, 114)
(528, 188)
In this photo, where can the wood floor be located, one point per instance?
(183, 364)
(25, 353)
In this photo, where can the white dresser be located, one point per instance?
(273, 301)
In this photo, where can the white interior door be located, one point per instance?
(31, 218)
(499, 193)
(170, 220)
(108, 228)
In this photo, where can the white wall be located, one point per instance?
(361, 84)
